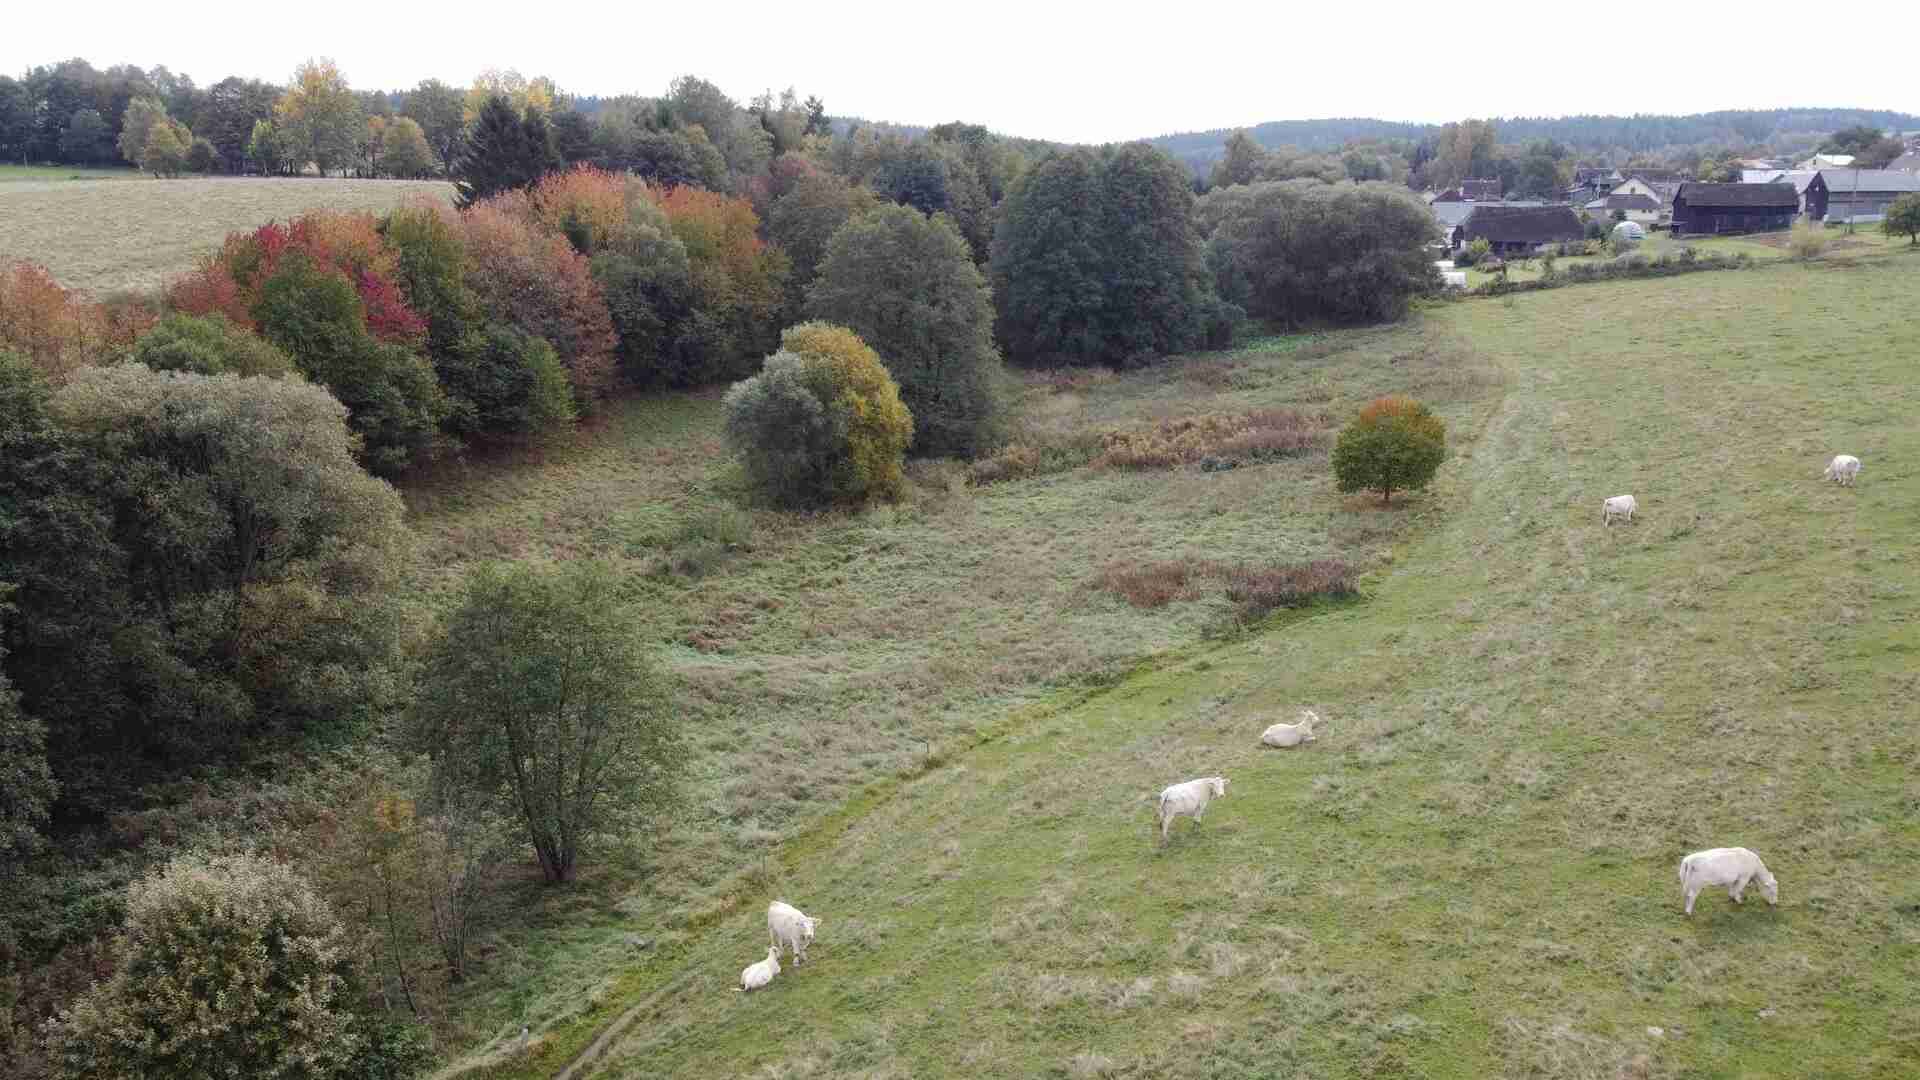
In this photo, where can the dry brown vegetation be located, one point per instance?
(1253, 589)
(106, 235)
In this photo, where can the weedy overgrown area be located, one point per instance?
(1470, 874)
(819, 653)
(78, 229)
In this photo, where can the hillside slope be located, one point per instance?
(1471, 873)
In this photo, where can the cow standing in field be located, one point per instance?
(1190, 798)
(1620, 506)
(1734, 867)
(788, 927)
(1842, 470)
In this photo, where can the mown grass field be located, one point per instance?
(22, 173)
(104, 235)
(1471, 873)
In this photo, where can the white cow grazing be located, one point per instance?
(1292, 734)
(1191, 797)
(1620, 506)
(1733, 867)
(755, 976)
(1842, 469)
(788, 927)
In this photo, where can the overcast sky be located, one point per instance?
(1081, 72)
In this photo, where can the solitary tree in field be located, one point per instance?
(540, 689)
(1903, 218)
(1395, 444)
(321, 117)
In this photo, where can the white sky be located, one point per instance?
(1075, 72)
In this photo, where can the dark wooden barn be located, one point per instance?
(1518, 229)
(1733, 208)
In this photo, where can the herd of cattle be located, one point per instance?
(1733, 868)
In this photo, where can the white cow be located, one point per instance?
(1292, 734)
(1191, 797)
(1842, 469)
(790, 928)
(755, 976)
(1620, 506)
(1733, 867)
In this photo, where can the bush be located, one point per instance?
(1394, 444)
(822, 422)
(1301, 252)
(907, 285)
(228, 967)
(208, 345)
(1266, 435)
(539, 693)
(1903, 218)
(1806, 241)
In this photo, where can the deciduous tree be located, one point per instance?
(321, 117)
(539, 688)
(906, 284)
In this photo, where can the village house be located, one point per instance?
(1907, 162)
(1835, 195)
(1635, 199)
(1472, 191)
(1733, 208)
(1518, 230)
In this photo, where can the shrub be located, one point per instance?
(228, 967)
(822, 422)
(539, 284)
(208, 345)
(1257, 591)
(539, 692)
(1300, 251)
(1394, 444)
(1265, 435)
(1806, 241)
(907, 285)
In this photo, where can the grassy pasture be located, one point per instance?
(821, 653)
(10, 174)
(107, 235)
(1530, 719)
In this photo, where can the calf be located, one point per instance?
(1620, 506)
(1733, 867)
(1292, 734)
(755, 976)
(1191, 798)
(790, 928)
(1842, 470)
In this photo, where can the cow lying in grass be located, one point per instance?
(1292, 734)
(755, 976)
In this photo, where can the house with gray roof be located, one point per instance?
(1856, 195)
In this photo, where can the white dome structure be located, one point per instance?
(1629, 231)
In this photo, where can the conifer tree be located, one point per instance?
(505, 151)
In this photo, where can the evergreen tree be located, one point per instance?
(505, 151)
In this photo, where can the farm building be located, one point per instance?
(1471, 191)
(1907, 162)
(1733, 208)
(1512, 230)
(1857, 194)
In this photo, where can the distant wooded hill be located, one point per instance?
(1588, 134)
